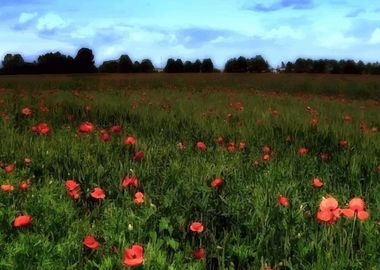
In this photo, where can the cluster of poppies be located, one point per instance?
(197, 228)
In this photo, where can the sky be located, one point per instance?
(279, 30)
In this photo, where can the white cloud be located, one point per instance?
(375, 37)
(337, 41)
(26, 17)
(50, 22)
(282, 32)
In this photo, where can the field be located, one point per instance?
(213, 171)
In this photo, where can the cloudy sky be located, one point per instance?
(189, 29)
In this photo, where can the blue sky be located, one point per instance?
(220, 29)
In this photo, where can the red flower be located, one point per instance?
(10, 168)
(98, 193)
(26, 111)
(220, 141)
(329, 211)
(130, 141)
(72, 185)
(90, 242)
(231, 147)
(196, 227)
(73, 194)
(343, 143)
(265, 157)
(130, 181)
(24, 185)
(199, 253)
(86, 127)
(283, 200)
(356, 207)
(104, 135)
(201, 146)
(27, 161)
(266, 149)
(139, 198)
(116, 129)
(134, 256)
(42, 129)
(313, 122)
(347, 118)
(21, 221)
(242, 145)
(303, 151)
(7, 188)
(217, 183)
(317, 182)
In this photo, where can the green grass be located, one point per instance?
(246, 228)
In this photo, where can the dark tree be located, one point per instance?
(136, 66)
(178, 65)
(257, 64)
(111, 66)
(289, 67)
(125, 64)
(146, 66)
(84, 61)
(197, 66)
(188, 67)
(170, 66)
(55, 63)
(207, 66)
(13, 64)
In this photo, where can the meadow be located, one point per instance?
(206, 171)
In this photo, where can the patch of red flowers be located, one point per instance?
(356, 207)
(42, 129)
(10, 168)
(130, 181)
(86, 127)
(98, 194)
(196, 227)
(90, 242)
(22, 221)
(283, 200)
(134, 256)
(139, 155)
(303, 151)
(130, 141)
(116, 129)
(7, 188)
(139, 198)
(329, 210)
(217, 183)
(26, 111)
(201, 146)
(199, 253)
(317, 182)
(73, 189)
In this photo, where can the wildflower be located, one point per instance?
(283, 200)
(42, 129)
(24, 185)
(90, 242)
(26, 111)
(217, 183)
(220, 141)
(329, 211)
(27, 161)
(72, 185)
(347, 118)
(313, 122)
(303, 151)
(7, 188)
(324, 156)
(196, 227)
(199, 253)
(266, 149)
(139, 198)
(130, 181)
(116, 129)
(134, 256)
(231, 147)
(22, 221)
(356, 207)
(266, 157)
(201, 146)
(139, 155)
(104, 135)
(317, 182)
(242, 145)
(130, 141)
(98, 193)
(9, 168)
(343, 143)
(86, 127)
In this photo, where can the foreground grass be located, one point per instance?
(245, 226)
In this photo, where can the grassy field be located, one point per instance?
(266, 137)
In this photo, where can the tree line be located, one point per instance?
(83, 62)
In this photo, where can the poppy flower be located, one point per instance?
(24, 185)
(116, 129)
(201, 146)
(313, 122)
(42, 129)
(7, 188)
(26, 111)
(139, 198)
(73, 194)
(303, 151)
(343, 143)
(199, 253)
(134, 256)
(196, 227)
(139, 155)
(130, 141)
(86, 127)
(242, 145)
(356, 207)
(283, 200)
(90, 242)
(266, 149)
(317, 182)
(231, 147)
(98, 193)
(329, 210)
(347, 118)
(217, 183)
(220, 141)
(266, 157)
(9, 168)
(72, 185)
(104, 135)
(130, 181)
(21, 221)
(27, 161)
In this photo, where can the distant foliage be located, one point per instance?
(242, 65)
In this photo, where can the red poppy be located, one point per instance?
(196, 227)
(303, 151)
(317, 182)
(139, 198)
(329, 210)
(266, 157)
(21, 221)
(98, 193)
(104, 135)
(242, 145)
(9, 168)
(24, 185)
(231, 147)
(73, 194)
(90, 242)
(72, 185)
(201, 146)
(26, 111)
(7, 188)
(199, 253)
(217, 183)
(42, 129)
(283, 200)
(130, 181)
(356, 207)
(313, 122)
(266, 149)
(139, 155)
(130, 141)
(347, 118)
(116, 129)
(134, 256)
(220, 141)
(86, 127)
